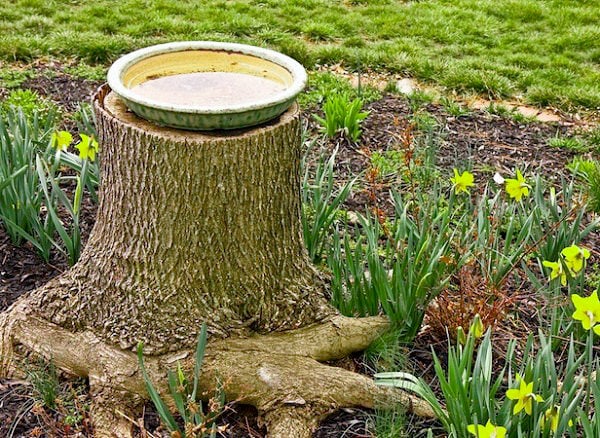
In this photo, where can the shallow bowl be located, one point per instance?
(181, 58)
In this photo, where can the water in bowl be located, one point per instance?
(208, 89)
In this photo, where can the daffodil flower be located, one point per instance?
(557, 271)
(517, 188)
(587, 310)
(524, 396)
(487, 431)
(462, 181)
(477, 328)
(575, 257)
(552, 416)
(88, 146)
(61, 140)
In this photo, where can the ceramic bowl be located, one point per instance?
(181, 58)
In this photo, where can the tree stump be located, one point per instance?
(191, 228)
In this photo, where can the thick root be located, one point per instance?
(289, 422)
(112, 411)
(280, 374)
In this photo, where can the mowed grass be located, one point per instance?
(544, 51)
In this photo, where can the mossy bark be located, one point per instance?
(193, 228)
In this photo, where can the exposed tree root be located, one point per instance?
(280, 374)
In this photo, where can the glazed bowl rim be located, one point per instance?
(121, 65)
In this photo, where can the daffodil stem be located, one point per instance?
(590, 357)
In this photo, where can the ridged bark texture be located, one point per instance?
(191, 227)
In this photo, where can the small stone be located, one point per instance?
(406, 86)
(546, 116)
(498, 179)
(352, 217)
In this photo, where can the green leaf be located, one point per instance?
(161, 408)
(200, 349)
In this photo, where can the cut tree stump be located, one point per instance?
(191, 228)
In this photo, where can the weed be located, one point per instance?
(44, 379)
(14, 78)
(324, 84)
(419, 99)
(390, 423)
(388, 162)
(86, 71)
(29, 102)
(454, 108)
(589, 172)
(570, 143)
(592, 138)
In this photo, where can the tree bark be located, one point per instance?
(193, 228)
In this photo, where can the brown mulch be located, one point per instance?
(490, 143)
(479, 141)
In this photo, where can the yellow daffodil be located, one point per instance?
(575, 257)
(487, 431)
(88, 146)
(61, 140)
(462, 181)
(587, 310)
(524, 396)
(552, 416)
(557, 271)
(477, 328)
(517, 188)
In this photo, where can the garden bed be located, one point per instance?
(484, 142)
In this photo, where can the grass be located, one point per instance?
(544, 50)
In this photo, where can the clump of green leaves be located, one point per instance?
(567, 142)
(320, 205)
(396, 267)
(29, 102)
(324, 84)
(44, 379)
(33, 196)
(420, 99)
(186, 398)
(454, 108)
(13, 78)
(473, 395)
(388, 162)
(342, 114)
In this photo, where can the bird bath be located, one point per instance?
(203, 85)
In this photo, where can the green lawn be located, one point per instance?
(546, 51)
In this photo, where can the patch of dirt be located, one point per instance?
(51, 81)
(22, 269)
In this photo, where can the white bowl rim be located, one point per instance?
(121, 65)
